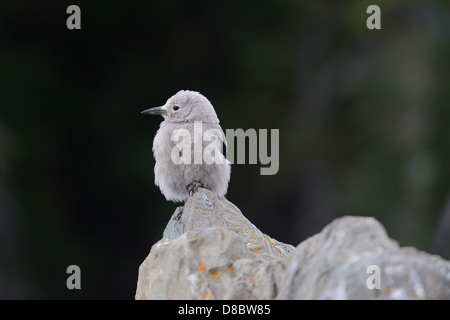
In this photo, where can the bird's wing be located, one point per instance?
(216, 146)
(224, 148)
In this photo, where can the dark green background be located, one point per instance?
(363, 118)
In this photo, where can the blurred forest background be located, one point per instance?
(363, 117)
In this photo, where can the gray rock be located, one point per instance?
(334, 265)
(210, 250)
(205, 209)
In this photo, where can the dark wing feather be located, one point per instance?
(224, 149)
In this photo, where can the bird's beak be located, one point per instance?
(155, 111)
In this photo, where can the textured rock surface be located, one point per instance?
(204, 210)
(333, 265)
(210, 250)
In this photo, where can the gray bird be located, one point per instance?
(189, 147)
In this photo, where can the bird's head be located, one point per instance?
(186, 106)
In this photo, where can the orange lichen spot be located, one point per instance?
(257, 251)
(216, 274)
(252, 278)
(246, 242)
(253, 237)
(278, 250)
(231, 269)
(221, 214)
(207, 296)
(201, 268)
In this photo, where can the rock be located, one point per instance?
(205, 209)
(210, 250)
(334, 265)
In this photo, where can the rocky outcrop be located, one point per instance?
(209, 250)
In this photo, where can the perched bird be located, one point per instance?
(189, 147)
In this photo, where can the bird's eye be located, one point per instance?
(176, 108)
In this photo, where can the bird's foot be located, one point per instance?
(193, 187)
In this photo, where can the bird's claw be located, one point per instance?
(193, 187)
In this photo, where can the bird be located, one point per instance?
(189, 147)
